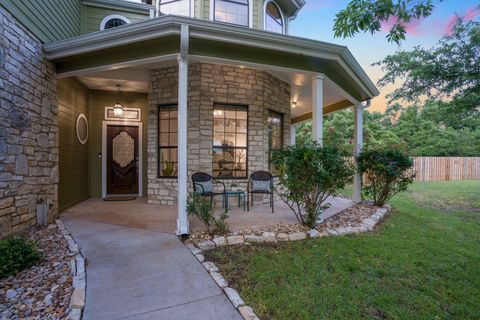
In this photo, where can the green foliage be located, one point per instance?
(17, 254)
(387, 172)
(308, 175)
(199, 207)
(450, 71)
(367, 16)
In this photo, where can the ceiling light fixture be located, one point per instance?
(294, 104)
(118, 108)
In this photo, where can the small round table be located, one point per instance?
(239, 194)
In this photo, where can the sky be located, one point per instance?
(315, 21)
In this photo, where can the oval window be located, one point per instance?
(82, 128)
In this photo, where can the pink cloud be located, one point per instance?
(470, 14)
(412, 27)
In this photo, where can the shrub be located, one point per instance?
(199, 207)
(308, 175)
(16, 254)
(387, 172)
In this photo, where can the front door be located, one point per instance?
(122, 159)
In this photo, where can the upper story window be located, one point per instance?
(176, 7)
(113, 21)
(273, 18)
(231, 11)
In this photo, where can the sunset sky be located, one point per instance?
(315, 21)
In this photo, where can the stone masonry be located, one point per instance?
(209, 84)
(28, 128)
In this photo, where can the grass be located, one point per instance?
(423, 262)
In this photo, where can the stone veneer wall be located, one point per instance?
(209, 84)
(28, 128)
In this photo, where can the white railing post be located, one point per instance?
(357, 148)
(182, 220)
(317, 108)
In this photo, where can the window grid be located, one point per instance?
(167, 141)
(175, 7)
(230, 141)
(232, 11)
(113, 23)
(275, 136)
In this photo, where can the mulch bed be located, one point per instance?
(44, 290)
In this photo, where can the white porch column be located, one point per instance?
(293, 134)
(357, 148)
(317, 108)
(182, 220)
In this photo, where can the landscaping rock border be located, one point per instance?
(247, 312)
(79, 274)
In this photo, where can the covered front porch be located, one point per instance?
(188, 74)
(161, 218)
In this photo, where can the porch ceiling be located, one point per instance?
(157, 40)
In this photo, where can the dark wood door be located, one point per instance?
(122, 159)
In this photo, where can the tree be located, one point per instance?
(449, 72)
(367, 16)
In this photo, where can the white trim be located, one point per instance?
(82, 116)
(110, 17)
(317, 108)
(357, 148)
(250, 14)
(106, 123)
(125, 109)
(284, 21)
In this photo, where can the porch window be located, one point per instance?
(167, 141)
(230, 133)
(176, 7)
(273, 18)
(275, 136)
(232, 11)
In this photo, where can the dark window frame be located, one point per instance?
(282, 22)
(236, 2)
(159, 147)
(106, 27)
(270, 149)
(223, 148)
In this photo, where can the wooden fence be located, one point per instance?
(446, 168)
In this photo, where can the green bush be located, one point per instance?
(387, 172)
(199, 207)
(308, 175)
(17, 254)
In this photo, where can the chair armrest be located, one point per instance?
(219, 182)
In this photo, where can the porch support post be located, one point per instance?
(182, 220)
(293, 134)
(357, 148)
(317, 108)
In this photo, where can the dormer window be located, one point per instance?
(273, 18)
(175, 7)
(231, 11)
(113, 21)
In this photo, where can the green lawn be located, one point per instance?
(422, 263)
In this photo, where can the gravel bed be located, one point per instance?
(350, 217)
(44, 290)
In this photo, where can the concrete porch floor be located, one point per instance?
(139, 214)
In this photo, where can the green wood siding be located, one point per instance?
(93, 16)
(73, 156)
(49, 20)
(98, 101)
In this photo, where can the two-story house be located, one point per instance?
(100, 98)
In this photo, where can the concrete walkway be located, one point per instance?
(135, 273)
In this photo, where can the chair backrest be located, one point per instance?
(261, 181)
(261, 176)
(200, 177)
